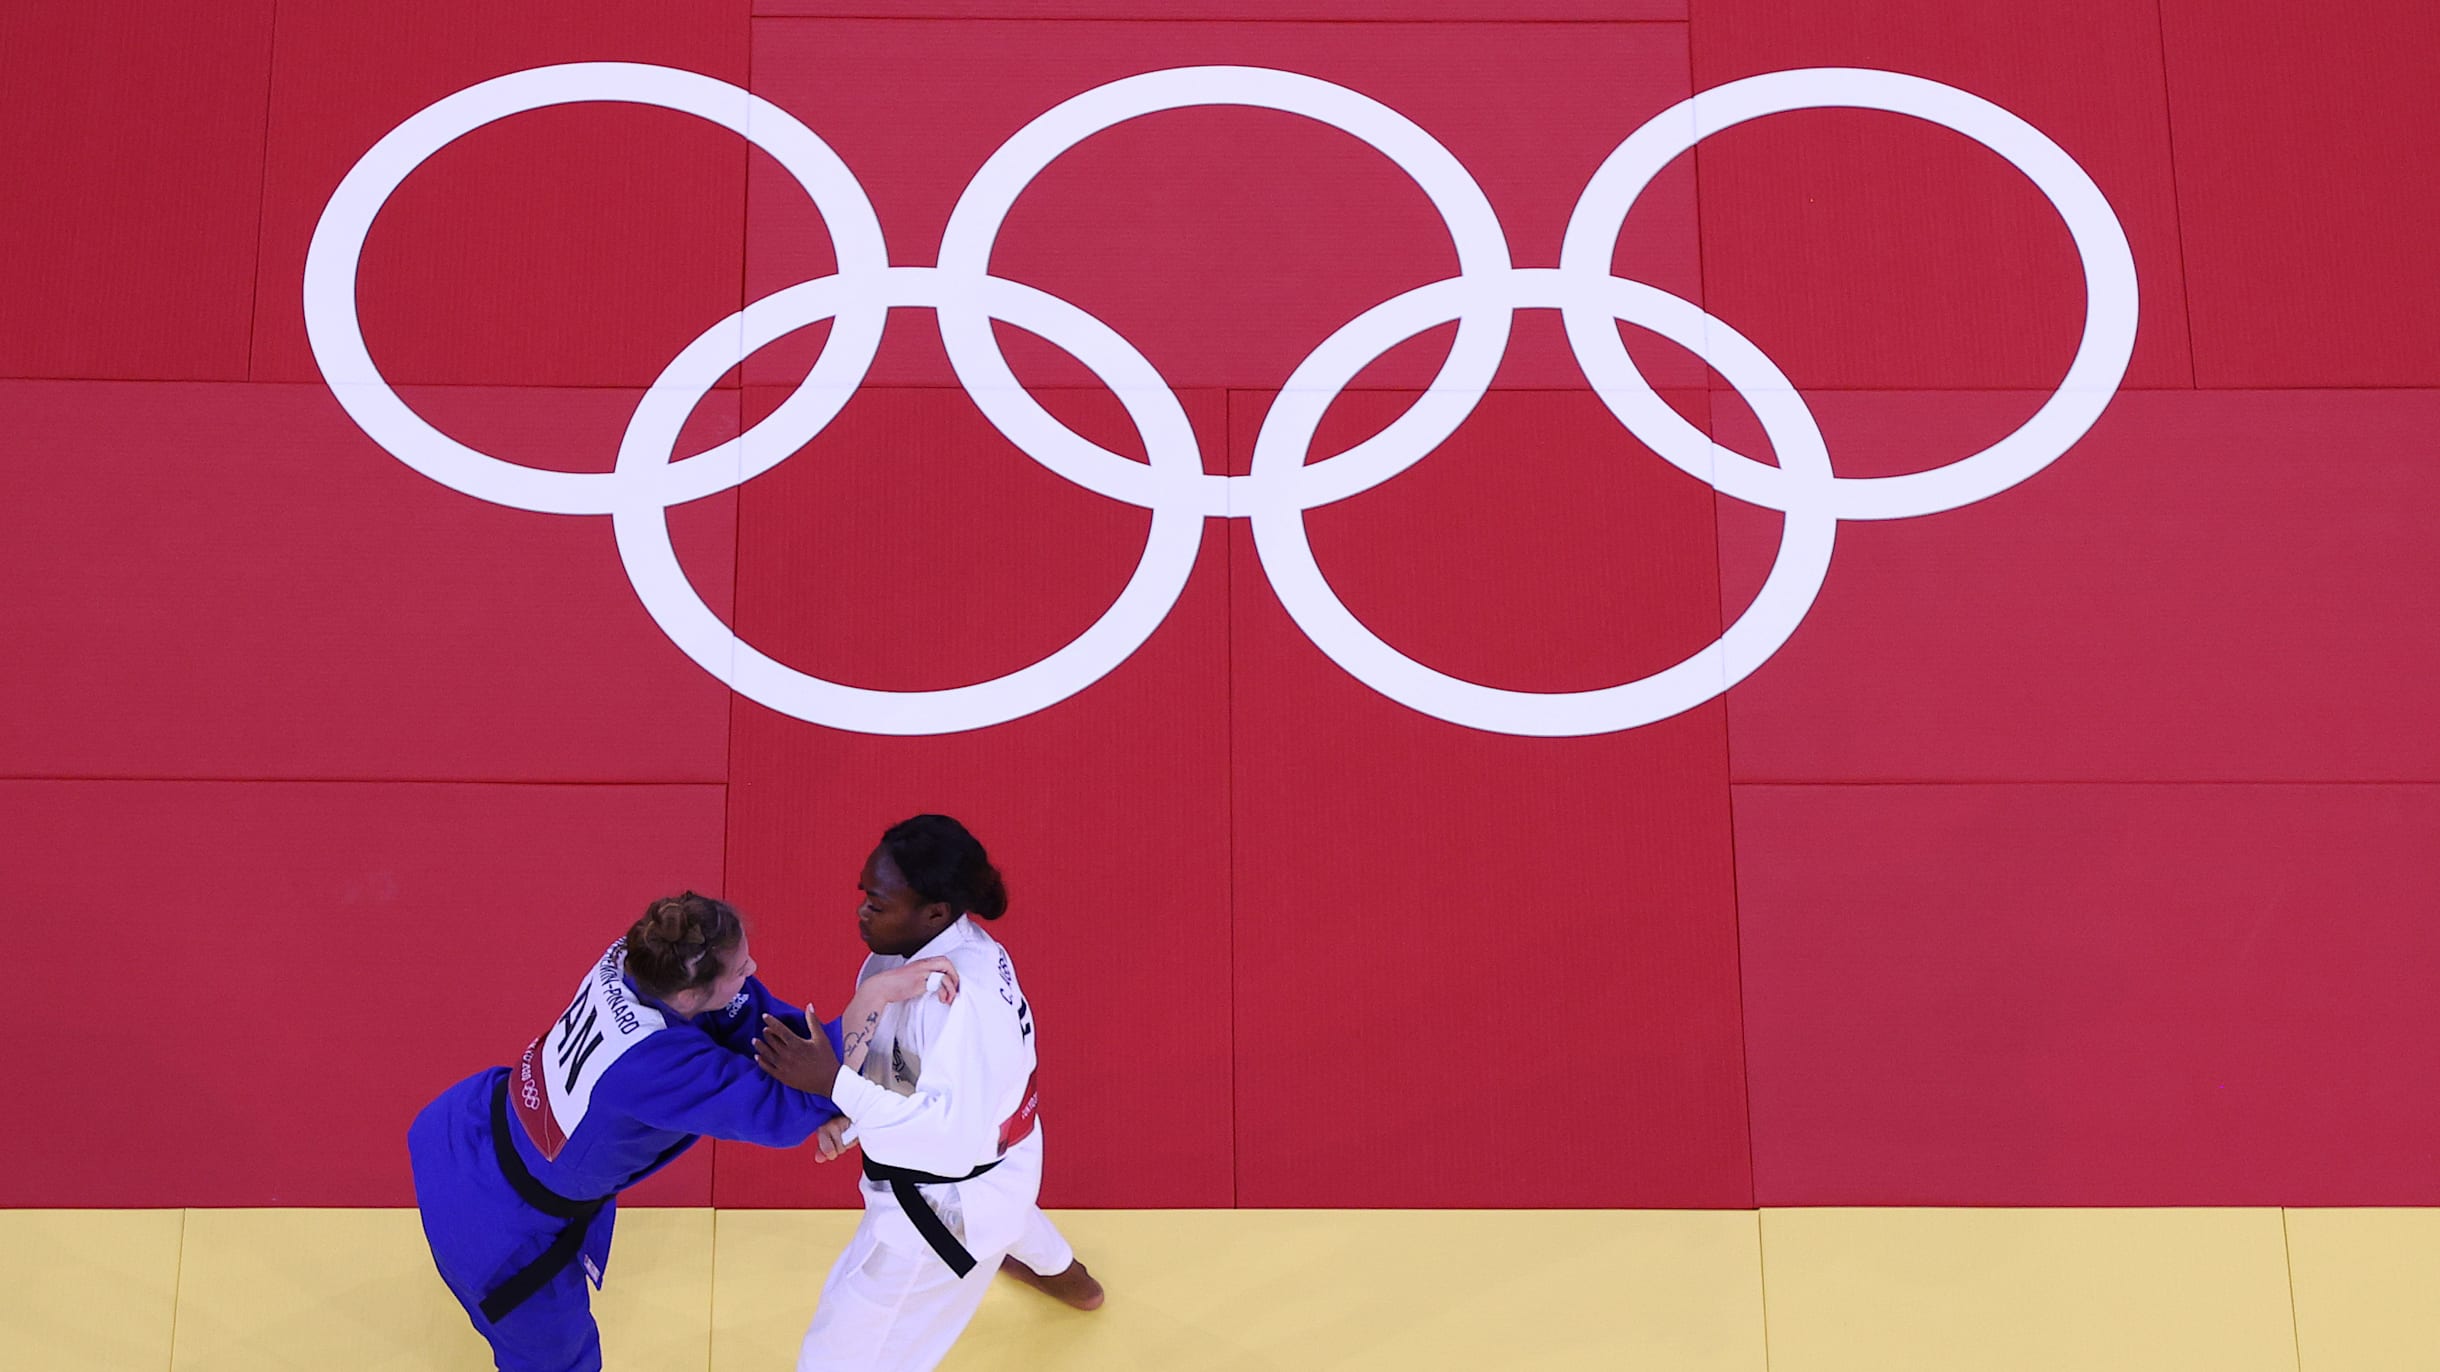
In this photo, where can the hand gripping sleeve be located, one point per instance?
(948, 1127)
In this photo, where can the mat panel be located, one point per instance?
(88, 1290)
(2027, 1290)
(2363, 1283)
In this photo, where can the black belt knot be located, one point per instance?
(902, 1182)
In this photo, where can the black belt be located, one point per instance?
(521, 1284)
(902, 1183)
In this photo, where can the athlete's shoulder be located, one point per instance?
(988, 953)
(680, 1049)
(988, 977)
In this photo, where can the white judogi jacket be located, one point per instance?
(945, 1089)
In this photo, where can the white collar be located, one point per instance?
(946, 939)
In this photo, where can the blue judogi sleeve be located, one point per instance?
(699, 1084)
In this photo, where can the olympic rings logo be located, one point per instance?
(1481, 299)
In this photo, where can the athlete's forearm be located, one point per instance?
(950, 1123)
(857, 1024)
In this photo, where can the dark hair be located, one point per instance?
(677, 945)
(942, 862)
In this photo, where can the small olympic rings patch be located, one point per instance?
(1481, 299)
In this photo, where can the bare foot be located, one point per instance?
(1075, 1286)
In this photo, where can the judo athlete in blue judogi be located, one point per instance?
(518, 1169)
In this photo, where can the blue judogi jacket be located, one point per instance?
(612, 1092)
(691, 1078)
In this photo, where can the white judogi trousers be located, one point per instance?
(891, 1305)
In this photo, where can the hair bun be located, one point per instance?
(990, 893)
(670, 926)
(673, 947)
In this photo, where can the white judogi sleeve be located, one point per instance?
(973, 1075)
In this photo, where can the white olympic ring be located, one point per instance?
(1282, 485)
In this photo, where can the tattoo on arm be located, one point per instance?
(857, 1040)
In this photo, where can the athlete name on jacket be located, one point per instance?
(556, 1076)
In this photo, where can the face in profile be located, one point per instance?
(738, 965)
(894, 921)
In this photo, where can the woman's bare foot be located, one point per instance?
(1075, 1286)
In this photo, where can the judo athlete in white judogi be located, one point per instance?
(942, 1099)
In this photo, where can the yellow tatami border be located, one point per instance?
(1801, 1290)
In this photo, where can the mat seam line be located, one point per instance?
(2097, 781)
(1736, 905)
(1728, 761)
(638, 388)
(1762, 1287)
(177, 1292)
(262, 195)
(711, 1292)
(1228, 608)
(115, 778)
(2177, 207)
(737, 590)
(1483, 21)
(2287, 1254)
